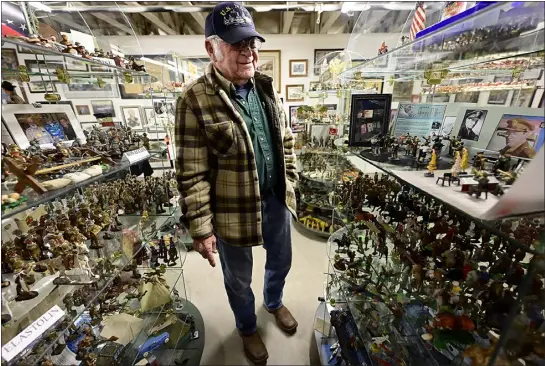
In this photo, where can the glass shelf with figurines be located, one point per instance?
(491, 34)
(423, 282)
(116, 259)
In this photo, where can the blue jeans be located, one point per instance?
(237, 262)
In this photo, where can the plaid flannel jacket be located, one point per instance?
(215, 160)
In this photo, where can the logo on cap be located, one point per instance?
(235, 16)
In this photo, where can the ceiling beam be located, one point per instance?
(199, 18)
(167, 17)
(114, 23)
(155, 20)
(332, 17)
(70, 23)
(287, 18)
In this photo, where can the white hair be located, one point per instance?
(215, 42)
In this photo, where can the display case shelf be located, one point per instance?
(467, 43)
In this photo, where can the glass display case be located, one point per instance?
(92, 249)
(440, 260)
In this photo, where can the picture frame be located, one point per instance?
(270, 64)
(369, 117)
(472, 124)
(99, 68)
(76, 65)
(25, 120)
(298, 68)
(83, 109)
(41, 66)
(498, 97)
(323, 54)
(132, 117)
(9, 59)
(293, 113)
(103, 108)
(529, 131)
(41, 87)
(295, 93)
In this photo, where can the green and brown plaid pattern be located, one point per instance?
(215, 162)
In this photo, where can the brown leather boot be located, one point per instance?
(285, 320)
(255, 349)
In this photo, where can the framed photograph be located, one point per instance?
(76, 65)
(498, 97)
(314, 86)
(517, 135)
(522, 98)
(45, 124)
(9, 59)
(448, 125)
(42, 66)
(86, 87)
(369, 117)
(467, 97)
(132, 117)
(295, 93)
(293, 114)
(103, 108)
(298, 68)
(322, 57)
(83, 109)
(472, 124)
(42, 87)
(269, 64)
(99, 68)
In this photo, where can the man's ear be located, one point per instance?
(210, 50)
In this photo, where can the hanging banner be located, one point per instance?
(420, 120)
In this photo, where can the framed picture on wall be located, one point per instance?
(472, 124)
(104, 108)
(298, 68)
(75, 65)
(323, 56)
(518, 135)
(83, 110)
(295, 93)
(132, 117)
(41, 87)
(467, 97)
(270, 64)
(293, 114)
(9, 59)
(26, 122)
(369, 117)
(498, 97)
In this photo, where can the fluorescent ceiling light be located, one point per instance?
(39, 6)
(399, 6)
(349, 6)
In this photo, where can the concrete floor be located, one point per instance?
(305, 282)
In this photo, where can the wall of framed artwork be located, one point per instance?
(25, 121)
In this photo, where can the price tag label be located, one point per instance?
(333, 131)
(135, 156)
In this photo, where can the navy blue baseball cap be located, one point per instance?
(231, 22)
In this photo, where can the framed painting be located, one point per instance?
(103, 108)
(132, 117)
(83, 109)
(322, 57)
(298, 68)
(269, 64)
(9, 60)
(295, 93)
(41, 87)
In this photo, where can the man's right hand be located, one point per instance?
(207, 248)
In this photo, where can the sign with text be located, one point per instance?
(31, 333)
(134, 156)
(419, 119)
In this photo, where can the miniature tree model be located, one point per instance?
(457, 167)
(465, 160)
(432, 166)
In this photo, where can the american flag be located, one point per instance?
(419, 20)
(13, 20)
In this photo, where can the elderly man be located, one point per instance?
(236, 170)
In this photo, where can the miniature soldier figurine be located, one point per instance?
(145, 141)
(163, 250)
(479, 161)
(395, 150)
(154, 260)
(173, 254)
(503, 163)
(23, 293)
(321, 141)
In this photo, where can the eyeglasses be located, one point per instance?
(252, 43)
